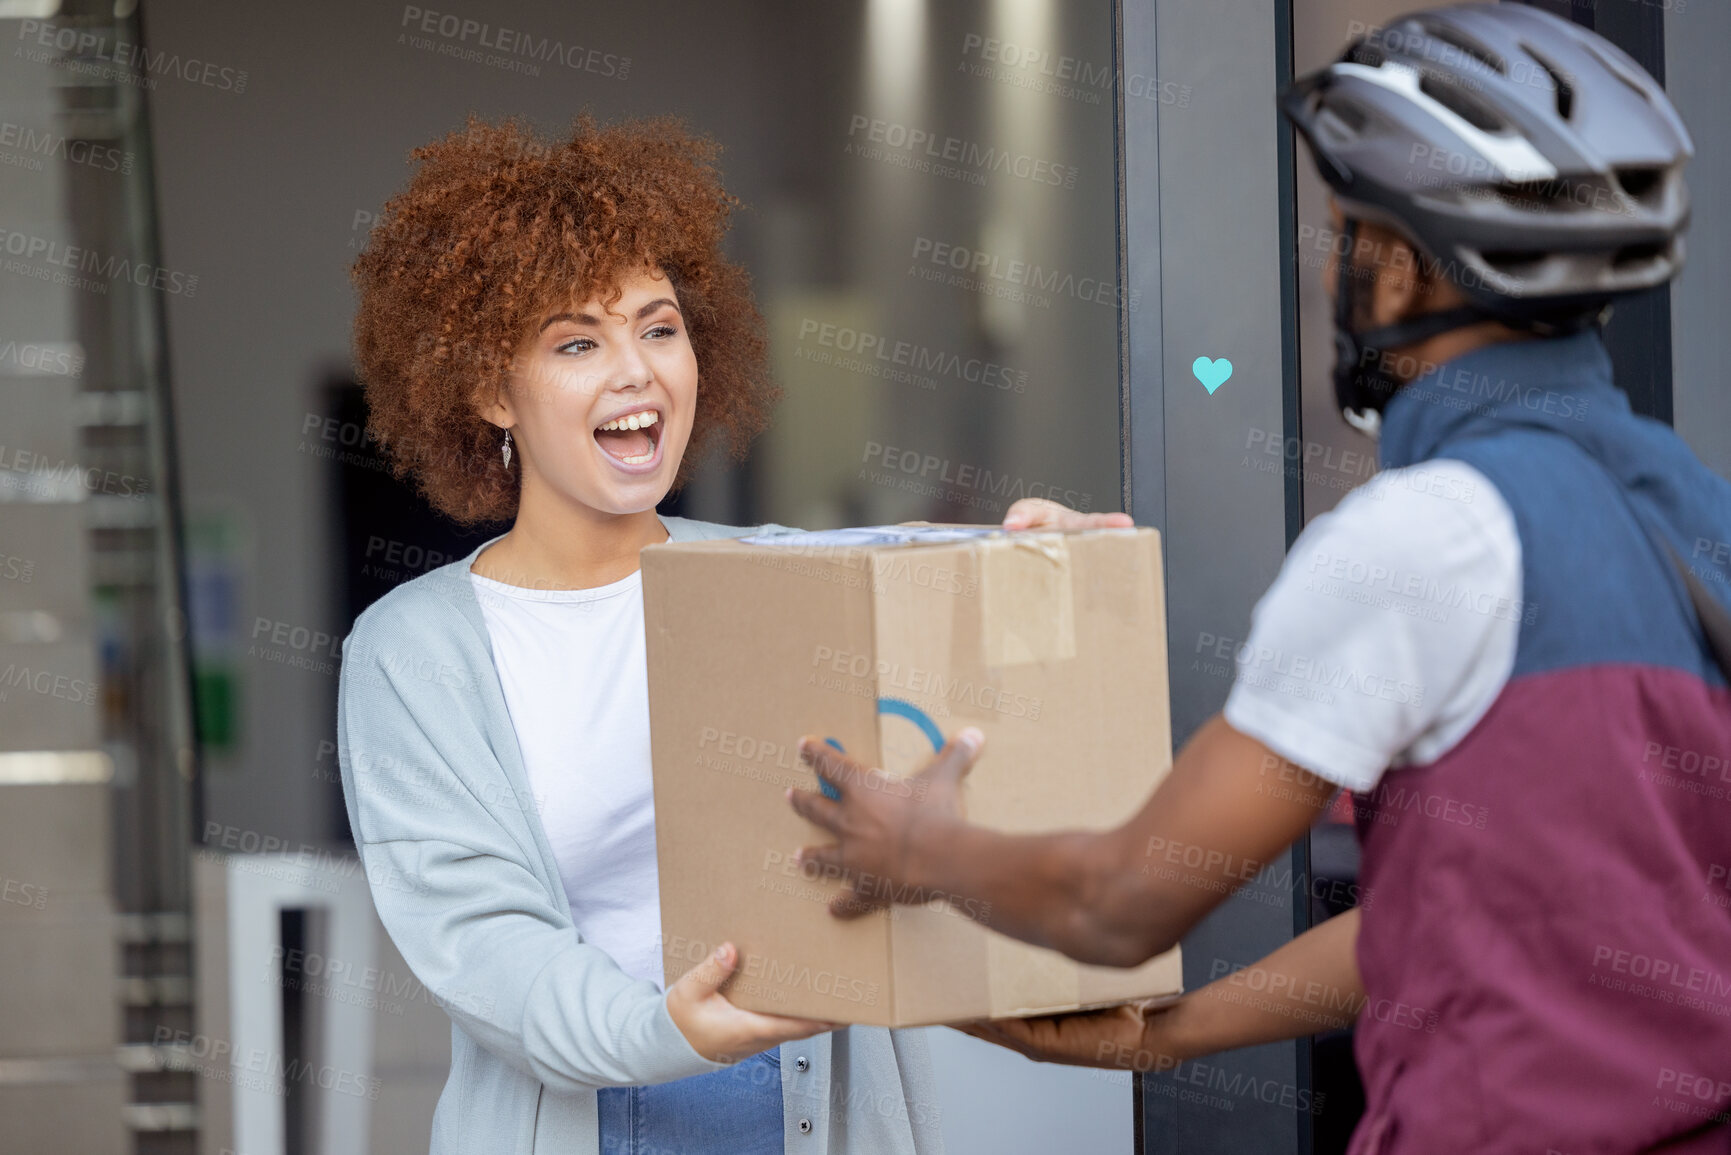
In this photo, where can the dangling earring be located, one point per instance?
(505, 450)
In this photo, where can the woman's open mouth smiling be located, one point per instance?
(632, 440)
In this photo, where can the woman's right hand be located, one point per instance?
(720, 1031)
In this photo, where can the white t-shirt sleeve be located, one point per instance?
(1390, 629)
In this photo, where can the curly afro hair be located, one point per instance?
(499, 227)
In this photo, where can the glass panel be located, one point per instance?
(97, 759)
(942, 291)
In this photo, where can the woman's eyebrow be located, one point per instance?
(586, 319)
(656, 304)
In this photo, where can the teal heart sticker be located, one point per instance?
(1212, 374)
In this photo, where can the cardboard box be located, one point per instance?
(885, 640)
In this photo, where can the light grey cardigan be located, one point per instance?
(467, 886)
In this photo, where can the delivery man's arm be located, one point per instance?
(1311, 984)
(1115, 897)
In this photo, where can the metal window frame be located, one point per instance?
(1152, 187)
(1174, 473)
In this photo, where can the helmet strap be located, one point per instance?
(1362, 384)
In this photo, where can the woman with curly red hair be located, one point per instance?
(549, 333)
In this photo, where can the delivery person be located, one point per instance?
(1503, 645)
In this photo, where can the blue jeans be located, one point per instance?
(733, 1111)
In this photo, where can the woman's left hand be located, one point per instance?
(1038, 513)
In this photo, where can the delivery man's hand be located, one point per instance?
(720, 1031)
(1322, 963)
(1126, 1037)
(1038, 513)
(881, 822)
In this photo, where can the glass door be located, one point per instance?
(1225, 231)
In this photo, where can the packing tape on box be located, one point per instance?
(1027, 605)
(1023, 979)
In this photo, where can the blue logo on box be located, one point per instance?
(900, 709)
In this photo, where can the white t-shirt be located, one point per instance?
(576, 682)
(1390, 629)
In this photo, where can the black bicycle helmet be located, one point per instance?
(1532, 158)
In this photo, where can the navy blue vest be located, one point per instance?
(1556, 974)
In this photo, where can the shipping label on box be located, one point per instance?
(884, 641)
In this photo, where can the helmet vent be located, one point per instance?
(1512, 262)
(1536, 195)
(1642, 254)
(1640, 183)
(1468, 108)
(1565, 90)
(1453, 37)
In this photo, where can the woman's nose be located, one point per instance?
(629, 370)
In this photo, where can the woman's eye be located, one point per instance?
(662, 331)
(580, 345)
